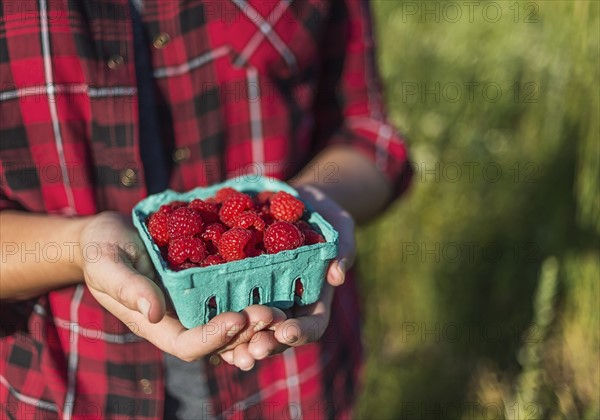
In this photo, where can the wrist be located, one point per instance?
(77, 234)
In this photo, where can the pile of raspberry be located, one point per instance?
(230, 226)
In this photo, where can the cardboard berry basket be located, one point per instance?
(269, 279)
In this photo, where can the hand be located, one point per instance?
(306, 323)
(119, 273)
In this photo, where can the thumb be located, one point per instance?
(336, 273)
(116, 277)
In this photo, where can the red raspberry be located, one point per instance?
(302, 225)
(168, 208)
(268, 219)
(157, 226)
(212, 302)
(249, 219)
(311, 237)
(233, 243)
(184, 222)
(254, 252)
(286, 207)
(184, 249)
(299, 289)
(185, 265)
(224, 193)
(263, 197)
(213, 232)
(257, 237)
(212, 260)
(208, 211)
(281, 236)
(234, 206)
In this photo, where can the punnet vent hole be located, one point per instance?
(211, 307)
(255, 297)
(299, 288)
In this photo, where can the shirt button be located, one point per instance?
(128, 177)
(146, 387)
(161, 40)
(181, 154)
(214, 360)
(115, 61)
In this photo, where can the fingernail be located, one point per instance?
(259, 326)
(143, 306)
(292, 339)
(341, 266)
(233, 330)
(247, 368)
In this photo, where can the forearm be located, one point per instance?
(352, 181)
(38, 253)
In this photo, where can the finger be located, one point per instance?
(336, 273)
(264, 344)
(258, 317)
(115, 276)
(195, 343)
(299, 331)
(227, 356)
(172, 337)
(308, 327)
(242, 358)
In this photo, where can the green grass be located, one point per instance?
(501, 114)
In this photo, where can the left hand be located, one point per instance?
(305, 324)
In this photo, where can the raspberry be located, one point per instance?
(184, 249)
(257, 238)
(208, 211)
(299, 288)
(185, 265)
(213, 232)
(286, 207)
(268, 219)
(157, 226)
(184, 222)
(263, 197)
(233, 243)
(302, 225)
(212, 260)
(311, 237)
(234, 206)
(281, 236)
(254, 252)
(249, 219)
(224, 193)
(168, 208)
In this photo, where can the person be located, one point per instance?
(105, 102)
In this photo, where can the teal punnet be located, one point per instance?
(233, 284)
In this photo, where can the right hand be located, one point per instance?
(121, 280)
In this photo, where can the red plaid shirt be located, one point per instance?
(243, 86)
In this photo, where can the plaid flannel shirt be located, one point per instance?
(243, 87)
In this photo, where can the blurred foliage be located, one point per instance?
(481, 285)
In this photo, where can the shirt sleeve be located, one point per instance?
(349, 106)
(5, 202)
